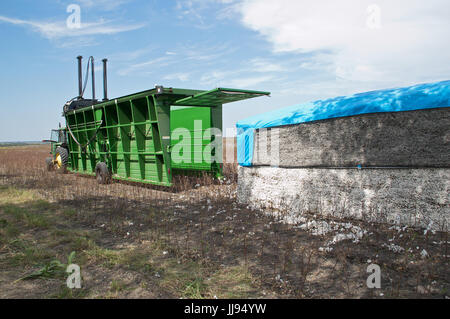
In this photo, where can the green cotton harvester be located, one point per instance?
(146, 137)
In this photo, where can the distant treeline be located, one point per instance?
(3, 144)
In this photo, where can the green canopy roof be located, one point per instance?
(219, 96)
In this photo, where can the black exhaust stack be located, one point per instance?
(93, 79)
(79, 101)
(80, 77)
(105, 81)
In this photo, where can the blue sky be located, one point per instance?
(298, 50)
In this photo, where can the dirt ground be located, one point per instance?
(193, 241)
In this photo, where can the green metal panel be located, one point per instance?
(196, 143)
(219, 96)
(126, 134)
(132, 134)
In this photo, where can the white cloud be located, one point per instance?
(56, 30)
(218, 76)
(183, 77)
(105, 5)
(206, 52)
(264, 66)
(145, 67)
(182, 59)
(191, 10)
(411, 44)
(234, 78)
(127, 56)
(249, 82)
(73, 43)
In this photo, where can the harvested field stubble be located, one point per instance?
(194, 241)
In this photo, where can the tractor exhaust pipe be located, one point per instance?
(105, 81)
(93, 79)
(80, 76)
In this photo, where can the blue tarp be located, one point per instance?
(422, 96)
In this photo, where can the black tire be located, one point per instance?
(49, 164)
(102, 173)
(64, 154)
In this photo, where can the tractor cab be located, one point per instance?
(59, 150)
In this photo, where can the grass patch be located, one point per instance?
(105, 257)
(32, 219)
(9, 230)
(18, 244)
(117, 286)
(232, 282)
(42, 205)
(32, 214)
(12, 195)
(81, 243)
(69, 212)
(138, 260)
(132, 259)
(3, 223)
(36, 220)
(29, 256)
(67, 293)
(194, 289)
(13, 210)
(184, 279)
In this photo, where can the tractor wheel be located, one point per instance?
(49, 164)
(102, 173)
(61, 159)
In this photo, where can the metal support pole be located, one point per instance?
(93, 79)
(80, 76)
(105, 81)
